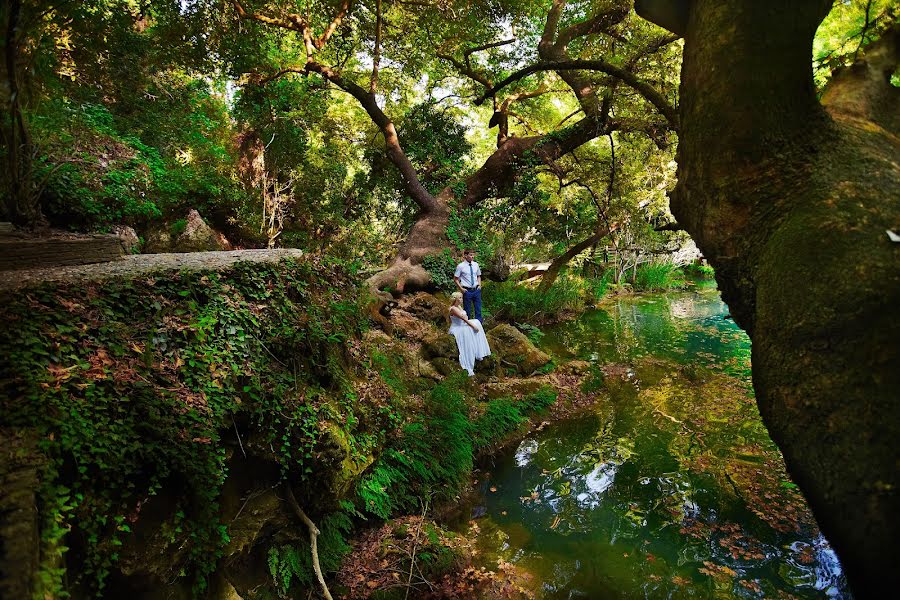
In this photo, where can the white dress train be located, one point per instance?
(472, 346)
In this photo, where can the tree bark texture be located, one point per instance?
(789, 200)
(22, 206)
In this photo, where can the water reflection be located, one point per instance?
(671, 490)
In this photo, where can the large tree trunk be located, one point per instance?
(790, 204)
(22, 205)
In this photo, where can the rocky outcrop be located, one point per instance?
(510, 349)
(190, 235)
(128, 237)
(425, 307)
(515, 350)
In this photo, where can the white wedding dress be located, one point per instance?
(472, 346)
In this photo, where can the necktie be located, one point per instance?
(471, 276)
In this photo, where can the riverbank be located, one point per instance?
(162, 412)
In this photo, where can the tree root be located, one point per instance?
(313, 534)
(396, 278)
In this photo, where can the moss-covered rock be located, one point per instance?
(446, 366)
(426, 307)
(439, 344)
(515, 350)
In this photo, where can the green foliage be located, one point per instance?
(441, 267)
(292, 563)
(657, 277)
(435, 142)
(504, 416)
(433, 455)
(596, 287)
(468, 228)
(533, 332)
(178, 227)
(129, 385)
(699, 271)
(117, 177)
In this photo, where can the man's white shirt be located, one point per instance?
(468, 277)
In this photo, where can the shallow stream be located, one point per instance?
(670, 487)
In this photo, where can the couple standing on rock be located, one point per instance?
(469, 332)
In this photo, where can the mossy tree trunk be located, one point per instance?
(789, 199)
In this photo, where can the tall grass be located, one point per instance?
(657, 277)
(509, 301)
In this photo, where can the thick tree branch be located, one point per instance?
(394, 150)
(292, 21)
(601, 21)
(551, 50)
(376, 58)
(652, 95)
(335, 23)
(468, 53)
(466, 69)
(562, 260)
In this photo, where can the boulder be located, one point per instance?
(199, 237)
(446, 366)
(129, 239)
(489, 365)
(426, 307)
(514, 349)
(438, 344)
(408, 326)
(575, 367)
(189, 235)
(159, 240)
(342, 467)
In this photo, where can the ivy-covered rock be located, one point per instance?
(140, 388)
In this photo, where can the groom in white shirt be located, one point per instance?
(468, 280)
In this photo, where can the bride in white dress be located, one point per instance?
(469, 334)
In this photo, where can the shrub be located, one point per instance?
(533, 332)
(699, 271)
(441, 267)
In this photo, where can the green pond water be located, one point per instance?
(670, 487)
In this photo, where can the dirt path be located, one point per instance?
(140, 264)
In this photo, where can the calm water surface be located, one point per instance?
(671, 487)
